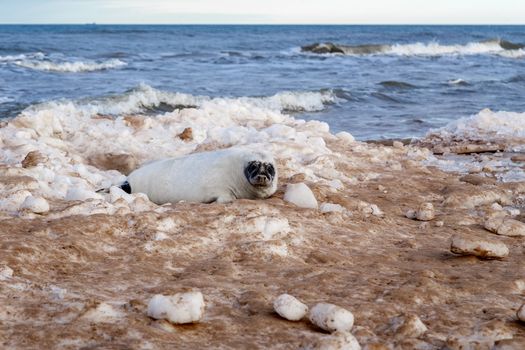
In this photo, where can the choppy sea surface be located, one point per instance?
(390, 81)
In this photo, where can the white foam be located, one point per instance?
(458, 81)
(5, 99)
(436, 49)
(71, 67)
(57, 63)
(21, 57)
(486, 125)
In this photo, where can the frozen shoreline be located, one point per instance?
(88, 264)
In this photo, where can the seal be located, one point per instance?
(217, 176)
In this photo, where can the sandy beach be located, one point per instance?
(78, 268)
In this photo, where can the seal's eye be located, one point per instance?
(252, 169)
(270, 169)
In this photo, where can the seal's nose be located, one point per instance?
(261, 180)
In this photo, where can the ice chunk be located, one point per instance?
(331, 207)
(80, 194)
(337, 341)
(331, 317)
(5, 273)
(300, 195)
(289, 307)
(37, 205)
(178, 308)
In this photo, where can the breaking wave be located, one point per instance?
(493, 46)
(146, 99)
(4, 99)
(40, 61)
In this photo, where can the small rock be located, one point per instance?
(505, 226)
(331, 317)
(179, 308)
(300, 195)
(479, 247)
(407, 326)
(337, 341)
(289, 307)
(425, 212)
(5, 273)
(33, 158)
(521, 313)
(376, 211)
(37, 205)
(423, 225)
(411, 214)
(496, 207)
(367, 209)
(439, 223)
(186, 134)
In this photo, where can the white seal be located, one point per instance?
(220, 176)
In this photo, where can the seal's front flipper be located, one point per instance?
(125, 187)
(225, 198)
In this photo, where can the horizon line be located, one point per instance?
(274, 24)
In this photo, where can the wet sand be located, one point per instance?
(73, 281)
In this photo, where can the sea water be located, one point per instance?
(391, 81)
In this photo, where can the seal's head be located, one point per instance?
(260, 173)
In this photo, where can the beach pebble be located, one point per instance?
(289, 307)
(33, 158)
(479, 247)
(337, 341)
(367, 209)
(407, 326)
(300, 195)
(505, 226)
(425, 212)
(331, 317)
(5, 273)
(178, 308)
(411, 214)
(37, 205)
(186, 134)
(496, 207)
(521, 313)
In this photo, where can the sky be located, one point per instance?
(264, 11)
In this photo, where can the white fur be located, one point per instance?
(201, 177)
